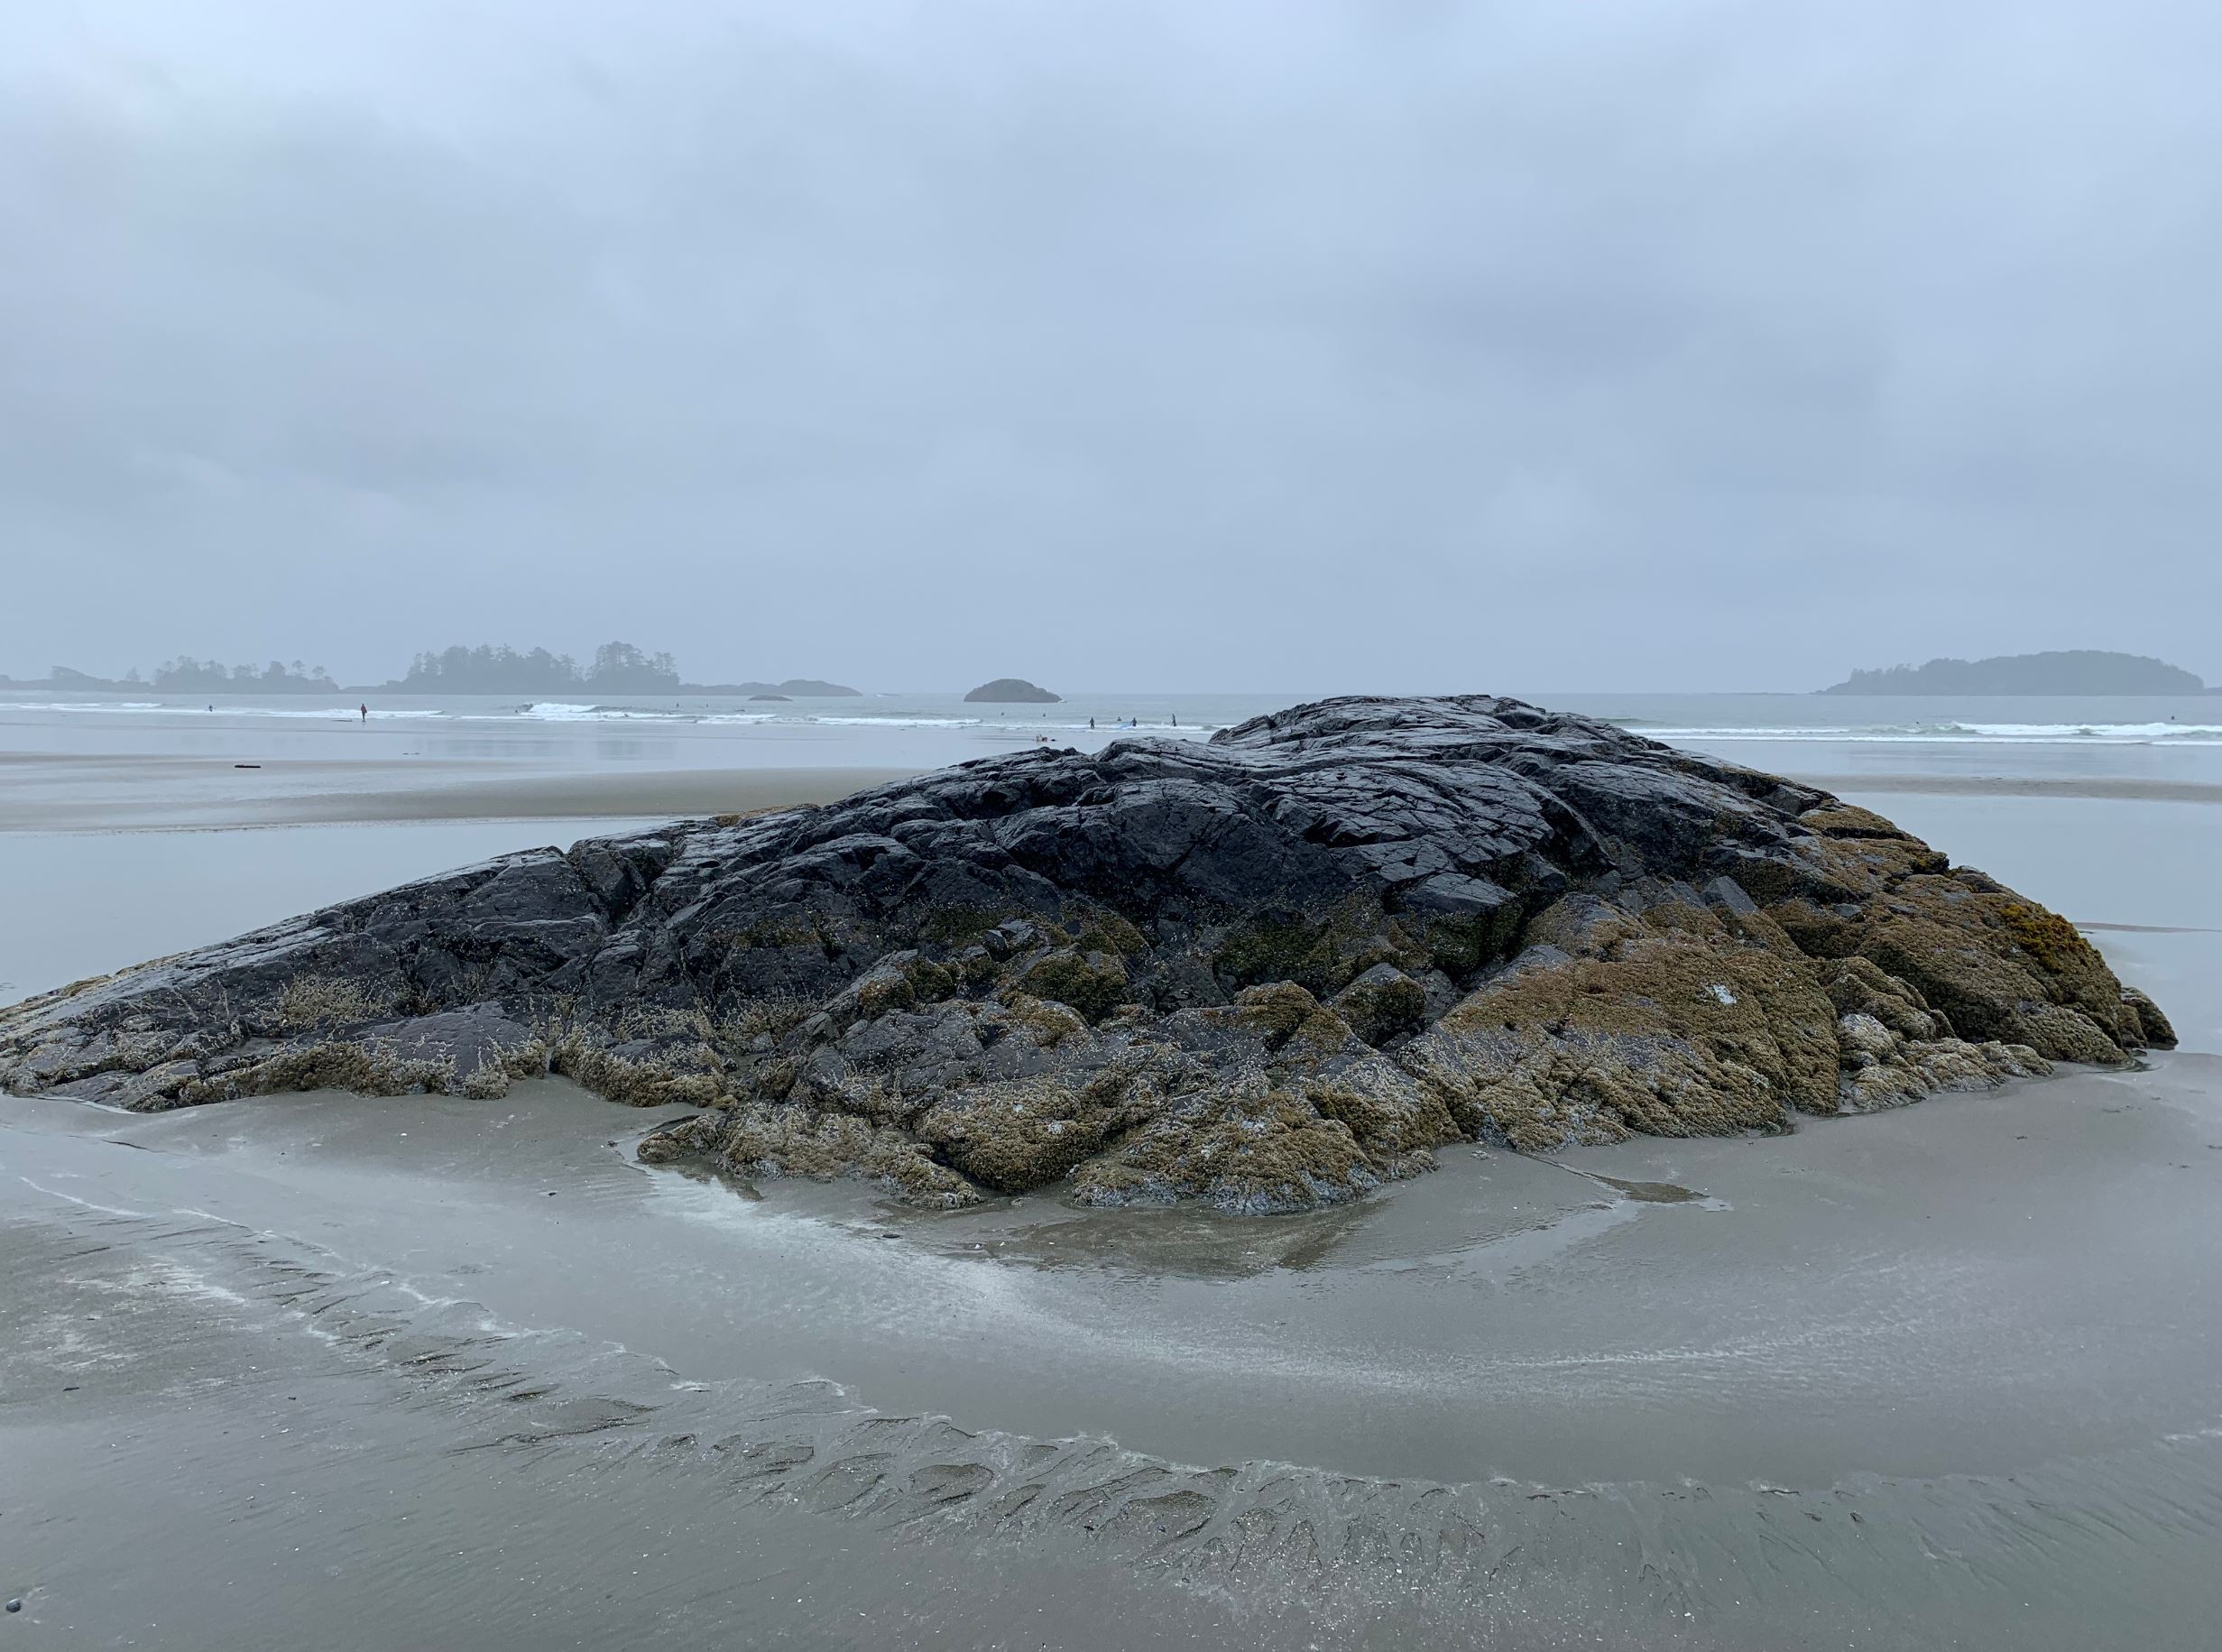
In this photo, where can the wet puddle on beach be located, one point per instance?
(1650, 1193)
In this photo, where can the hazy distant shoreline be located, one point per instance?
(616, 668)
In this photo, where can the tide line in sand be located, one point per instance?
(2109, 787)
(225, 798)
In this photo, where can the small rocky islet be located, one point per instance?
(1013, 691)
(1267, 973)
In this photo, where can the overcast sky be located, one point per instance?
(1196, 344)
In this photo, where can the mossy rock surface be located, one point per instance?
(1093, 984)
(1273, 971)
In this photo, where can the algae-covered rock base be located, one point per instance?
(1267, 973)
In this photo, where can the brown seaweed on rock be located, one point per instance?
(1268, 973)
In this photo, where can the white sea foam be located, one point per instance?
(2132, 733)
(89, 705)
(340, 714)
(564, 711)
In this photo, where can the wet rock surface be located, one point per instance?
(1267, 973)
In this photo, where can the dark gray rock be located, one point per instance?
(1270, 971)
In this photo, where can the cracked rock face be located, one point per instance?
(1267, 973)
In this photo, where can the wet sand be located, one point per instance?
(76, 793)
(669, 795)
(436, 1371)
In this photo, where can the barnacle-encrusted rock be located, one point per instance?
(1269, 971)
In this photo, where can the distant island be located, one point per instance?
(2083, 670)
(793, 688)
(186, 674)
(617, 668)
(1013, 691)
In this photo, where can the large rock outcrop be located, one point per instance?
(1268, 972)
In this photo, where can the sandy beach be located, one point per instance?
(153, 794)
(425, 1370)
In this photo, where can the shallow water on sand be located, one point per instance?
(76, 904)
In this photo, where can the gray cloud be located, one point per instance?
(1296, 345)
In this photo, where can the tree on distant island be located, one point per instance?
(209, 676)
(2065, 671)
(186, 674)
(618, 668)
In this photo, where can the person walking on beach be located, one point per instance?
(365, 710)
